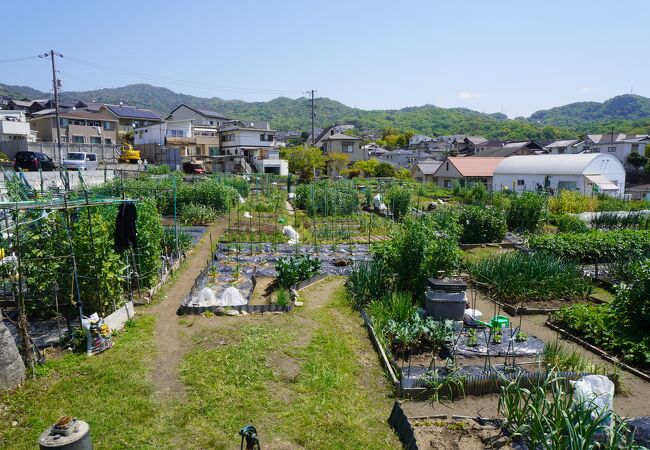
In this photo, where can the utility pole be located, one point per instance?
(55, 83)
(313, 115)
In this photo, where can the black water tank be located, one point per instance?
(77, 439)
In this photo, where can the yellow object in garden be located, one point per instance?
(129, 154)
(2, 253)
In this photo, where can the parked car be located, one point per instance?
(194, 167)
(32, 161)
(80, 161)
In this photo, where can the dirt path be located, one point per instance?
(172, 344)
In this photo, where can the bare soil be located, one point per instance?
(172, 346)
(633, 402)
(259, 296)
(450, 434)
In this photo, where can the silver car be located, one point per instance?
(80, 161)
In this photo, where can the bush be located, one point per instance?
(617, 221)
(572, 202)
(327, 199)
(471, 193)
(481, 225)
(191, 214)
(421, 247)
(162, 169)
(526, 211)
(398, 200)
(293, 269)
(517, 276)
(567, 223)
(595, 246)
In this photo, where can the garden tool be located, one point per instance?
(249, 433)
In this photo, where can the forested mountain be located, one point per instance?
(293, 114)
(622, 107)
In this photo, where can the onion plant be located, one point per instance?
(546, 417)
(517, 276)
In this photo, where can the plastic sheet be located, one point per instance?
(530, 347)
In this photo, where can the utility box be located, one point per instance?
(445, 298)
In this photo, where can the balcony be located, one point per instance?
(14, 127)
(180, 140)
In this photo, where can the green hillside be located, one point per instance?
(626, 113)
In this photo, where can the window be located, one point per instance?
(635, 148)
(108, 126)
(568, 185)
(561, 150)
(269, 138)
(262, 137)
(447, 169)
(63, 122)
(611, 149)
(228, 138)
(77, 139)
(95, 140)
(347, 147)
(109, 141)
(521, 183)
(447, 183)
(213, 151)
(91, 157)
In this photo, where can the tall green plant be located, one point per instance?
(526, 211)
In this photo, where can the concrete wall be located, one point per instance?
(90, 177)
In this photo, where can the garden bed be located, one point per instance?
(539, 307)
(239, 265)
(598, 351)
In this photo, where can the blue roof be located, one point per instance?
(132, 112)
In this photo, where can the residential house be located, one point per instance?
(341, 143)
(566, 147)
(589, 173)
(14, 127)
(467, 169)
(400, 158)
(618, 145)
(252, 143)
(130, 117)
(195, 132)
(488, 145)
(511, 149)
(466, 145)
(417, 139)
(18, 105)
(423, 170)
(77, 126)
(329, 131)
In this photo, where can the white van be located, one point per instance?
(80, 161)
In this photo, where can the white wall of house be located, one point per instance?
(417, 138)
(621, 150)
(13, 126)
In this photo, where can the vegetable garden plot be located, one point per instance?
(238, 265)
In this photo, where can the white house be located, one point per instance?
(15, 127)
(564, 147)
(418, 138)
(399, 157)
(589, 173)
(618, 145)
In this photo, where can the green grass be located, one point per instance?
(111, 391)
(479, 253)
(336, 396)
(329, 404)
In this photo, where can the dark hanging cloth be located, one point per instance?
(125, 227)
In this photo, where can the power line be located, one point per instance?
(24, 58)
(147, 76)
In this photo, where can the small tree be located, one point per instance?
(338, 162)
(303, 160)
(637, 160)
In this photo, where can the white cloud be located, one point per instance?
(469, 95)
(584, 90)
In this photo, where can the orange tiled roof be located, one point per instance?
(470, 166)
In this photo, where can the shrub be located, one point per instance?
(293, 269)
(526, 211)
(398, 200)
(517, 276)
(595, 246)
(481, 224)
(421, 247)
(572, 202)
(191, 214)
(567, 223)
(471, 193)
(162, 169)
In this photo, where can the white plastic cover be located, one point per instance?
(232, 297)
(206, 297)
(376, 201)
(596, 390)
(241, 199)
(292, 196)
(247, 215)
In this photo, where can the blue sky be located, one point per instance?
(488, 55)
